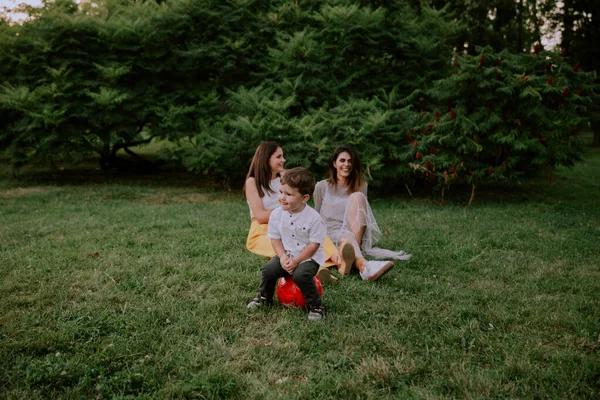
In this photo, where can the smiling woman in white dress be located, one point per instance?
(342, 202)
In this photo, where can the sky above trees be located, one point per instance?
(7, 6)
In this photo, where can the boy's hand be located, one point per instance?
(283, 260)
(289, 266)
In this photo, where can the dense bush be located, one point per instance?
(105, 76)
(501, 117)
(218, 78)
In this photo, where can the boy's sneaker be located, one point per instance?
(316, 313)
(258, 302)
(375, 269)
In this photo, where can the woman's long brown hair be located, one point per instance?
(356, 179)
(260, 169)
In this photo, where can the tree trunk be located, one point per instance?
(567, 33)
(536, 23)
(596, 130)
(520, 27)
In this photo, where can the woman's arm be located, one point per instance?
(318, 196)
(256, 204)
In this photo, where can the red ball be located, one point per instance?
(289, 293)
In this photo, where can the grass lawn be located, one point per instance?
(136, 288)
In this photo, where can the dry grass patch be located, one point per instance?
(25, 191)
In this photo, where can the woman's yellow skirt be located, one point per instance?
(259, 243)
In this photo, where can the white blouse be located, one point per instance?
(269, 200)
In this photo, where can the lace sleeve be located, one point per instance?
(318, 195)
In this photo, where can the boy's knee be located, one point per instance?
(272, 265)
(304, 274)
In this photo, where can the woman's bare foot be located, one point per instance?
(360, 263)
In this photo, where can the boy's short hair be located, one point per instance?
(299, 178)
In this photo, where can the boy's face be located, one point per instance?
(291, 200)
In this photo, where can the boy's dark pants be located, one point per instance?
(302, 276)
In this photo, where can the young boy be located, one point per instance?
(297, 232)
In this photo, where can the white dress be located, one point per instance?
(333, 205)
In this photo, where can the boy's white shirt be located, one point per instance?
(296, 231)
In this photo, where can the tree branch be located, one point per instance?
(121, 145)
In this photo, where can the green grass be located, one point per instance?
(501, 299)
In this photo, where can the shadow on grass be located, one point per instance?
(89, 172)
(579, 182)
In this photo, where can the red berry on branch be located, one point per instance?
(536, 48)
(426, 165)
(430, 127)
(451, 169)
(497, 62)
(580, 91)
(490, 170)
(563, 53)
(437, 115)
(550, 80)
(499, 76)
(418, 156)
(432, 150)
(408, 138)
(415, 143)
(470, 171)
(576, 66)
(565, 92)
(482, 60)
(452, 114)
(543, 140)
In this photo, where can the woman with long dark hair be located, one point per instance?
(261, 191)
(342, 202)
